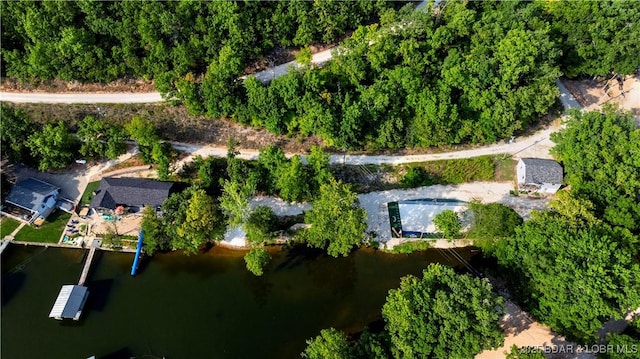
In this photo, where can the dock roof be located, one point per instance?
(69, 303)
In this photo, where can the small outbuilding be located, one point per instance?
(539, 175)
(31, 199)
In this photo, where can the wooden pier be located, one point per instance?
(3, 244)
(87, 264)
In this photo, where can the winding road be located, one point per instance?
(536, 145)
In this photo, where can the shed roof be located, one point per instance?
(538, 170)
(30, 193)
(69, 303)
(130, 192)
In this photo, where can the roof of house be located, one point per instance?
(538, 170)
(130, 192)
(30, 193)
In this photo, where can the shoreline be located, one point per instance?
(59, 245)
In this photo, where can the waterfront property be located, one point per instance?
(31, 201)
(539, 175)
(414, 218)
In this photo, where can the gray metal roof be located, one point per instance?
(69, 303)
(538, 170)
(130, 192)
(30, 193)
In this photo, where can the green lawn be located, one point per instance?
(366, 178)
(49, 232)
(7, 225)
(87, 196)
(505, 168)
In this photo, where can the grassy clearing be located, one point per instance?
(410, 247)
(447, 172)
(7, 226)
(505, 168)
(49, 232)
(87, 196)
(368, 178)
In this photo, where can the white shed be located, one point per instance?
(539, 175)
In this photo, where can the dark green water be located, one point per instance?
(205, 306)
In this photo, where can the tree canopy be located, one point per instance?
(330, 344)
(448, 224)
(337, 220)
(599, 151)
(15, 128)
(98, 139)
(596, 37)
(103, 41)
(53, 146)
(572, 278)
(442, 315)
(199, 223)
(256, 259)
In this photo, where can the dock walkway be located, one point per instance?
(87, 264)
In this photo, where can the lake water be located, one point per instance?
(204, 306)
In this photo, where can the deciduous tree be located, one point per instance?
(572, 278)
(337, 220)
(53, 146)
(330, 344)
(448, 224)
(200, 224)
(599, 152)
(443, 315)
(256, 259)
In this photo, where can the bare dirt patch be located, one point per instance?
(593, 93)
(59, 86)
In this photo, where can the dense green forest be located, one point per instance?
(104, 40)
(470, 72)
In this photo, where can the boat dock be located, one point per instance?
(3, 244)
(72, 298)
(87, 264)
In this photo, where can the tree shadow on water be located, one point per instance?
(11, 284)
(337, 275)
(261, 287)
(298, 255)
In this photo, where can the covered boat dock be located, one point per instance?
(70, 302)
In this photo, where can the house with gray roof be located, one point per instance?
(133, 193)
(31, 199)
(539, 175)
